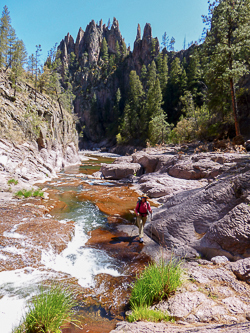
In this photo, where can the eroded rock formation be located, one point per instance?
(37, 139)
(205, 200)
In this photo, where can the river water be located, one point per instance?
(96, 261)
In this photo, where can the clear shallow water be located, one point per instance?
(77, 261)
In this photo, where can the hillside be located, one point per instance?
(37, 138)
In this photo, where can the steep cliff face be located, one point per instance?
(37, 139)
(95, 83)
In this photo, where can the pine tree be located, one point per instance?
(144, 75)
(19, 58)
(124, 49)
(225, 48)
(171, 44)
(165, 40)
(133, 111)
(37, 64)
(32, 65)
(5, 33)
(151, 74)
(162, 64)
(105, 56)
(117, 53)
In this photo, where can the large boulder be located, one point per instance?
(163, 186)
(120, 170)
(149, 162)
(213, 220)
(241, 269)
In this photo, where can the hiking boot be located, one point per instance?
(141, 240)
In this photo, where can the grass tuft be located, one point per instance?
(29, 193)
(157, 281)
(49, 310)
(12, 181)
(145, 313)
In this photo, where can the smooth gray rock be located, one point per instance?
(214, 219)
(220, 260)
(120, 170)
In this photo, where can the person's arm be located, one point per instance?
(149, 208)
(137, 209)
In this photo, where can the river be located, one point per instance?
(72, 239)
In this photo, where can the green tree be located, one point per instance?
(37, 64)
(32, 65)
(117, 53)
(162, 64)
(165, 40)
(225, 48)
(19, 58)
(159, 129)
(175, 88)
(105, 55)
(133, 111)
(171, 44)
(124, 49)
(6, 31)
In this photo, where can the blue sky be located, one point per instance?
(47, 22)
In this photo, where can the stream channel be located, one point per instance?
(75, 241)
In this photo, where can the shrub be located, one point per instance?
(157, 281)
(12, 181)
(48, 311)
(29, 193)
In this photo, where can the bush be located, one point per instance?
(12, 181)
(157, 281)
(48, 311)
(29, 193)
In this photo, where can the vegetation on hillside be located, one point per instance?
(198, 93)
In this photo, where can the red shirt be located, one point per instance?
(144, 207)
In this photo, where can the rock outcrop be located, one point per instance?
(205, 200)
(95, 81)
(37, 139)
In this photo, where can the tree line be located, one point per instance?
(179, 96)
(43, 77)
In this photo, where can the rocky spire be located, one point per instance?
(79, 43)
(115, 25)
(138, 36)
(147, 33)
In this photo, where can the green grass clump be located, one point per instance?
(49, 310)
(29, 193)
(145, 313)
(12, 181)
(157, 281)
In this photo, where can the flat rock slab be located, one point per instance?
(146, 327)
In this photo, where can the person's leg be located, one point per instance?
(141, 226)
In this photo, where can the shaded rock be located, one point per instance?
(149, 162)
(207, 212)
(241, 269)
(120, 170)
(230, 234)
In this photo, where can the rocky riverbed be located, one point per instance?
(203, 213)
(203, 199)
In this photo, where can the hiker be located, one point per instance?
(141, 210)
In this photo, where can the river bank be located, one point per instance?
(211, 292)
